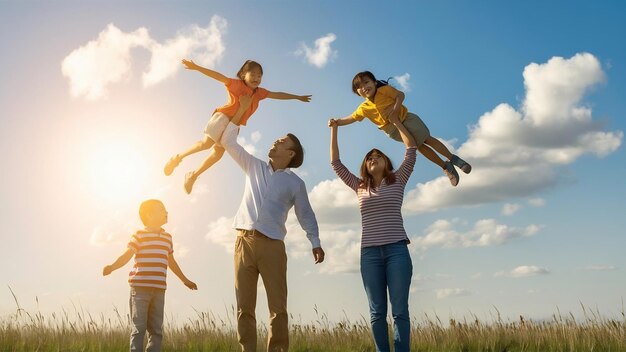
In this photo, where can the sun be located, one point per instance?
(117, 171)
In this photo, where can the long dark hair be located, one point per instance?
(359, 77)
(367, 181)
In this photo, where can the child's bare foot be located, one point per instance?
(171, 164)
(190, 179)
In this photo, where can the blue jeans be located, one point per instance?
(146, 312)
(383, 268)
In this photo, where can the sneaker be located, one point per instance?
(171, 164)
(450, 171)
(190, 179)
(461, 164)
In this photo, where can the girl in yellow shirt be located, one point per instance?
(383, 101)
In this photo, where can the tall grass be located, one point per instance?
(78, 330)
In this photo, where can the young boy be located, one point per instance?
(153, 251)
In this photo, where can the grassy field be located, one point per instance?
(80, 331)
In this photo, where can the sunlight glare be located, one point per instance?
(117, 171)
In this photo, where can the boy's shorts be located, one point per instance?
(216, 125)
(413, 124)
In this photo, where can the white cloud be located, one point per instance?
(485, 232)
(524, 271)
(255, 136)
(249, 147)
(537, 202)
(321, 54)
(204, 45)
(221, 232)
(514, 153)
(451, 292)
(510, 208)
(403, 82)
(107, 59)
(335, 203)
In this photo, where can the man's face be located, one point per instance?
(282, 148)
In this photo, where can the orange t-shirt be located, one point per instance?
(237, 88)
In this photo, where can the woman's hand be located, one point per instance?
(332, 123)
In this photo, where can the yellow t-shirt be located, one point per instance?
(385, 97)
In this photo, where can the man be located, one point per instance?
(271, 190)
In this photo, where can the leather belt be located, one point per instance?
(252, 233)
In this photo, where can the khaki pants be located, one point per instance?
(257, 254)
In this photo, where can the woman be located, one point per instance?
(385, 260)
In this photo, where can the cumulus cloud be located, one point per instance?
(403, 82)
(524, 271)
(107, 59)
(517, 153)
(485, 232)
(510, 208)
(335, 203)
(451, 292)
(221, 233)
(321, 54)
(537, 202)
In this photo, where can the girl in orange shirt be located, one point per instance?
(247, 83)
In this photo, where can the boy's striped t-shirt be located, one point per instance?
(151, 253)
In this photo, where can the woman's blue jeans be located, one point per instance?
(383, 268)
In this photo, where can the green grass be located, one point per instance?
(80, 331)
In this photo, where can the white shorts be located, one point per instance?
(216, 125)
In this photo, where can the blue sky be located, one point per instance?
(93, 102)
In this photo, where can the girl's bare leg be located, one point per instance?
(199, 146)
(438, 146)
(215, 156)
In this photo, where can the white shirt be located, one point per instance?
(269, 195)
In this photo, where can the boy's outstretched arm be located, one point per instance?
(288, 96)
(120, 262)
(190, 65)
(171, 262)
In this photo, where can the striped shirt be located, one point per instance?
(381, 216)
(151, 257)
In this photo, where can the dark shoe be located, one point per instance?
(461, 164)
(190, 179)
(171, 164)
(450, 171)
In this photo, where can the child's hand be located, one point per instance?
(189, 64)
(304, 98)
(107, 270)
(332, 123)
(192, 285)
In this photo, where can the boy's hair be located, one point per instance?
(249, 65)
(147, 207)
(358, 78)
(367, 181)
(297, 159)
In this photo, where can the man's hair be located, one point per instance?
(298, 158)
(147, 207)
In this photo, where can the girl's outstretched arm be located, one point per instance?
(344, 121)
(288, 96)
(190, 65)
